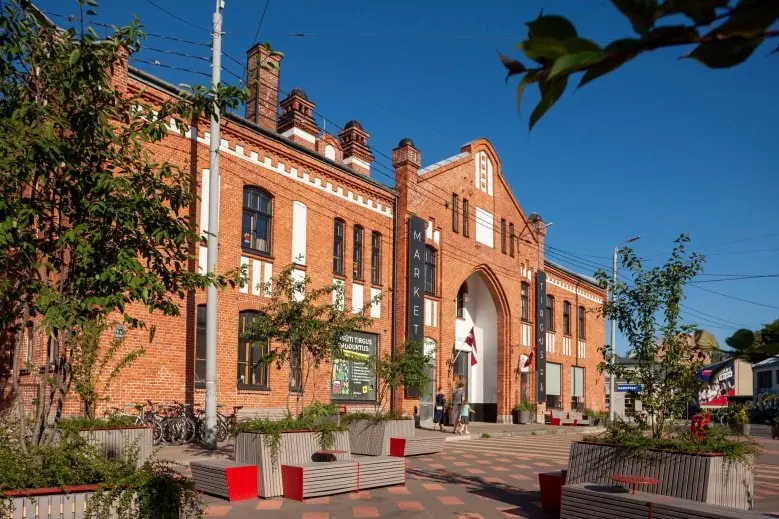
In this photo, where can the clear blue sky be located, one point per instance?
(660, 147)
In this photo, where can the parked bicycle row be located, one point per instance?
(176, 423)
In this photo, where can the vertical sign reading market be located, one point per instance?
(416, 279)
(540, 337)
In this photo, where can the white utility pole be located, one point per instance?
(213, 233)
(614, 327)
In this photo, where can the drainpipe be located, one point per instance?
(394, 288)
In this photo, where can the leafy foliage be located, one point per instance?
(91, 221)
(374, 417)
(722, 34)
(406, 367)
(647, 312)
(83, 423)
(300, 318)
(524, 405)
(755, 345)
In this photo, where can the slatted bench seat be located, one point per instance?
(579, 418)
(555, 417)
(224, 478)
(402, 447)
(591, 501)
(318, 479)
(380, 471)
(265, 413)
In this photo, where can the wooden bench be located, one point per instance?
(318, 479)
(592, 501)
(555, 417)
(380, 471)
(224, 478)
(402, 447)
(579, 418)
(265, 413)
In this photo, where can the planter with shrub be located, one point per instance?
(370, 434)
(115, 437)
(739, 422)
(524, 413)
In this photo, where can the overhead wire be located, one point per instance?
(177, 17)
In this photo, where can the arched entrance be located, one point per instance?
(480, 328)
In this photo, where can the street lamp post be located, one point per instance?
(614, 326)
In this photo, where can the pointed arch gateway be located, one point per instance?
(485, 371)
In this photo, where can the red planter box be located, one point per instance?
(551, 484)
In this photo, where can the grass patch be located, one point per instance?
(485, 435)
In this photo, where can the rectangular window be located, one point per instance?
(503, 235)
(466, 232)
(630, 405)
(200, 347)
(357, 253)
(430, 270)
(582, 323)
(338, 247)
(554, 385)
(549, 314)
(295, 368)
(253, 357)
(577, 388)
(376, 258)
(566, 318)
(511, 240)
(455, 212)
(764, 380)
(525, 302)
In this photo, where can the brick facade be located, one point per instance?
(315, 179)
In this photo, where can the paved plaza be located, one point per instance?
(472, 479)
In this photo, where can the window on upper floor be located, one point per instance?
(253, 356)
(764, 380)
(549, 314)
(466, 224)
(376, 258)
(525, 301)
(431, 264)
(338, 246)
(357, 252)
(455, 212)
(503, 235)
(511, 240)
(566, 318)
(462, 299)
(582, 323)
(257, 223)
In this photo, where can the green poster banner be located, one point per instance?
(352, 377)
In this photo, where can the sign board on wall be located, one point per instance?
(352, 377)
(624, 388)
(540, 337)
(416, 278)
(720, 382)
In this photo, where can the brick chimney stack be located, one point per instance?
(354, 142)
(537, 225)
(263, 71)
(297, 119)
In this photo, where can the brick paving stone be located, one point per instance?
(433, 486)
(315, 515)
(318, 501)
(437, 466)
(484, 462)
(501, 469)
(470, 515)
(520, 477)
(475, 471)
(399, 491)
(410, 506)
(218, 510)
(365, 511)
(269, 504)
(450, 500)
(460, 463)
(362, 494)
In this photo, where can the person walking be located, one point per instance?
(438, 415)
(457, 404)
(465, 417)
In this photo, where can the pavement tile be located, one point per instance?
(399, 491)
(542, 464)
(470, 515)
(511, 511)
(460, 463)
(315, 515)
(501, 469)
(474, 471)
(494, 480)
(520, 477)
(218, 510)
(433, 486)
(365, 511)
(437, 466)
(484, 462)
(410, 506)
(318, 501)
(269, 504)
(362, 494)
(450, 500)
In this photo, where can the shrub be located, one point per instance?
(486, 435)
(81, 423)
(272, 430)
(374, 417)
(526, 406)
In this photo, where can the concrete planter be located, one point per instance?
(296, 447)
(68, 502)
(775, 432)
(705, 478)
(372, 438)
(115, 443)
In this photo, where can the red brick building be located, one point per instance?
(291, 193)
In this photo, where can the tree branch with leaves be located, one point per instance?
(720, 33)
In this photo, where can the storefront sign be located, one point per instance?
(540, 337)
(624, 388)
(353, 378)
(720, 382)
(416, 278)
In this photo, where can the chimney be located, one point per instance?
(263, 73)
(297, 119)
(537, 225)
(354, 142)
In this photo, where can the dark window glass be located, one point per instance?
(511, 240)
(430, 270)
(357, 252)
(503, 236)
(295, 368)
(525, 302)
(582, 323)
(455, 212)
(257, 220)
(549, 314)
(376, 258)
(466, 231)
(338, 247)
(200, 346)
(462, 298)
(253, 357)
(764, 380)
(566, 318)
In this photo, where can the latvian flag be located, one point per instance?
(471, 341)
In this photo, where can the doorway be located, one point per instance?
(427, 398)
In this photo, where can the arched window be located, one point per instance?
(252, 355)
(462, 299)
(431, 263)
(257, 221)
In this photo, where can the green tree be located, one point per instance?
(755, 345)
(406, 367)
(91, 221)
(305, 326)
(647, 311)
(718, 34)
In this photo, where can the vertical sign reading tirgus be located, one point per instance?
(540, 337)
(416, 278)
